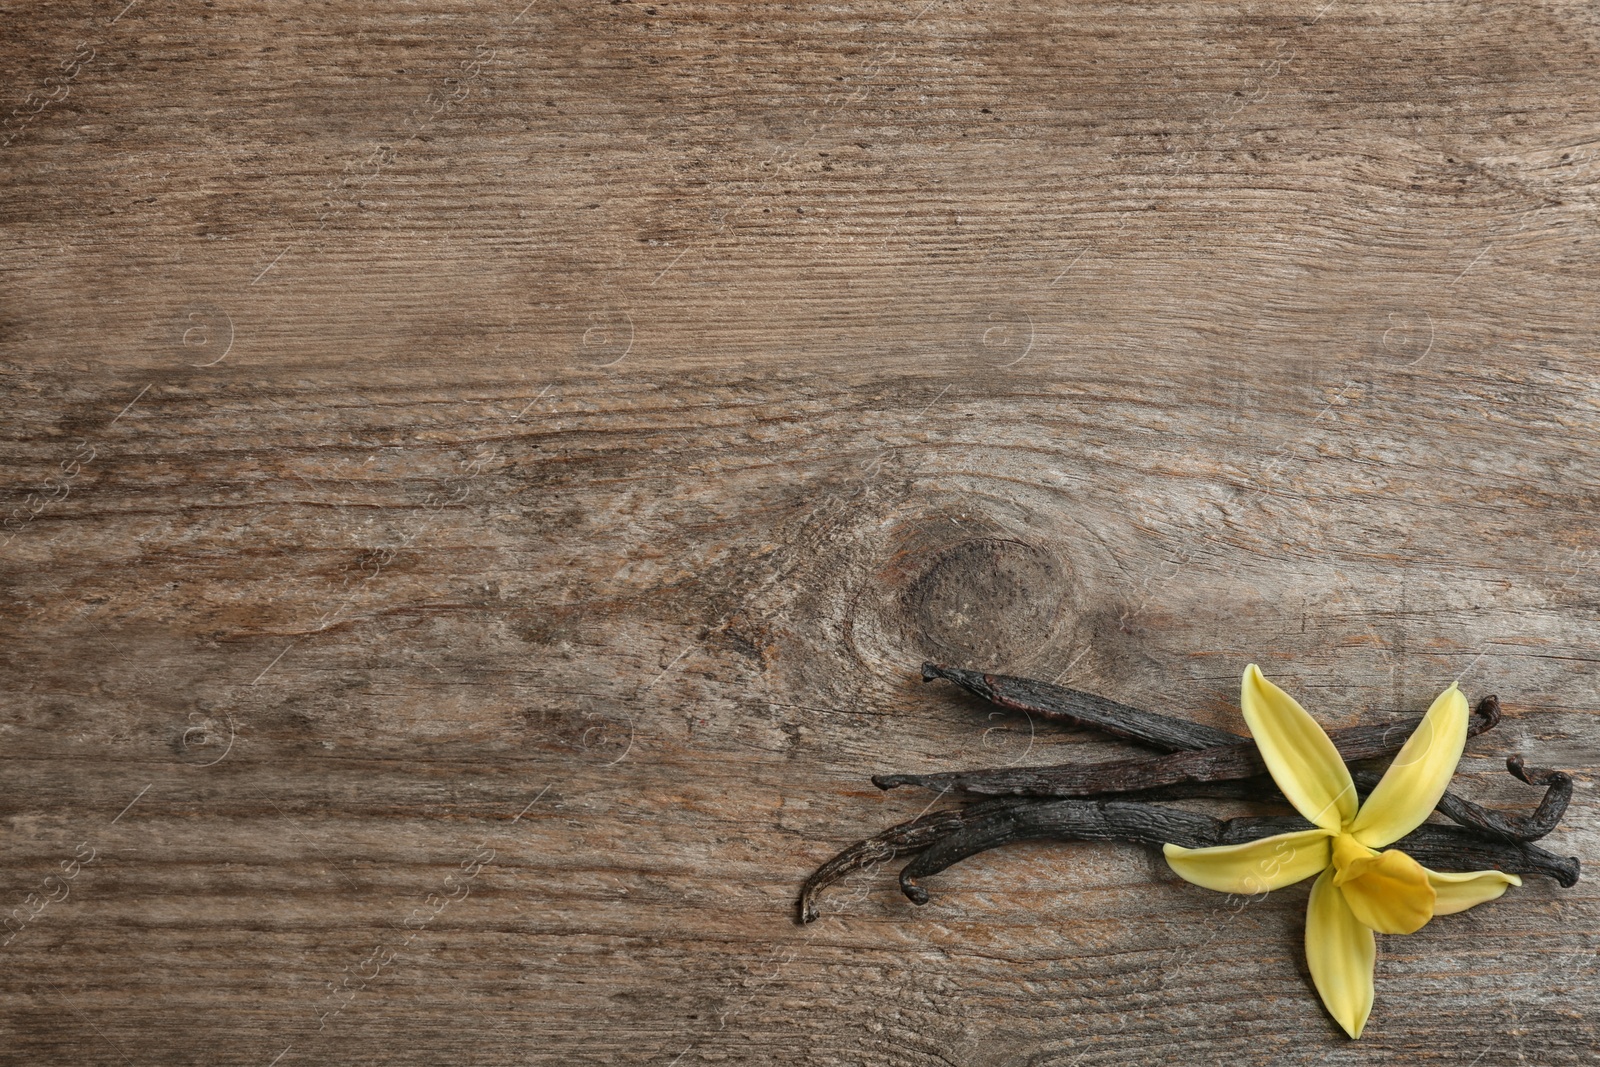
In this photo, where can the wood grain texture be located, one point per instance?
(481, 480)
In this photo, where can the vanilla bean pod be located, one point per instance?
(932, 827)
(1447, 847)
(1502, 826)
(1510, 828)
(1080, 708)
(964, 831)
(946, 837)
(1216, 763)
(904, 839)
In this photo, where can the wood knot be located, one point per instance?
(985, 600)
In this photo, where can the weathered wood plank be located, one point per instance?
(482, 480)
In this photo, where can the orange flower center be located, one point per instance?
(1387, 891)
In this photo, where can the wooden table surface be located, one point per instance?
(481, 480)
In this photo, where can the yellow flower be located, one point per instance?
(1358, 889)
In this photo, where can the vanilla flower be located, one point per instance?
(1358, 889)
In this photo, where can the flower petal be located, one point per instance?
(1389, 892)
(1302, 760)
(1340, 952)
(1419, 775)
(1255, 867)
(1458, 892)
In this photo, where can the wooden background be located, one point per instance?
(480, 479)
